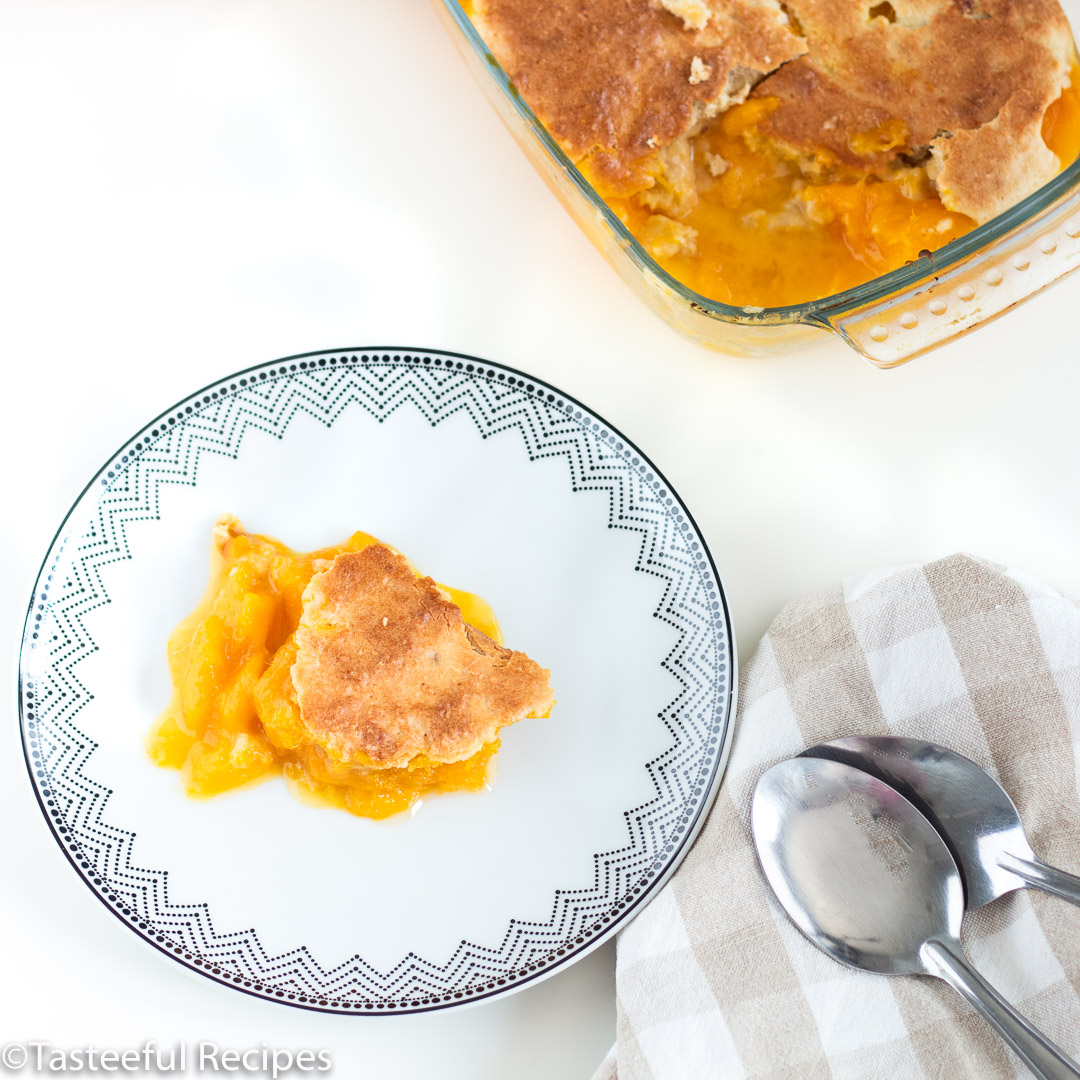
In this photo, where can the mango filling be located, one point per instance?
(739, 221)
(234, 718)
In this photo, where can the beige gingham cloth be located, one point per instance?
(713, 980)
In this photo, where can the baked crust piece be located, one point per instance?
(970, 81)
(387, 669)
(616, 81)
(983, 172)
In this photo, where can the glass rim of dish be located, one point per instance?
(921, 270)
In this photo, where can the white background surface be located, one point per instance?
(192, 187)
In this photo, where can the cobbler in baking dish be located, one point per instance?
(767, 153)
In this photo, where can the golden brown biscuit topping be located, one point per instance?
(387, 669)
(966, 80)
(616, 81)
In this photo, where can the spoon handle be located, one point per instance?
(946, 960)
(1048, 878)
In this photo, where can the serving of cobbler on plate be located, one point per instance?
(368, 686)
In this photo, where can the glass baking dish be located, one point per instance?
(889, 320)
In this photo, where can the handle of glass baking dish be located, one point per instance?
(976, 290)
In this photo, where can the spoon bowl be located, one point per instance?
(866, 877)
(860, 871)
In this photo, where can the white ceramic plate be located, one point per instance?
(488, 480)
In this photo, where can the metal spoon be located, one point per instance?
(971, 810)
(870, 882)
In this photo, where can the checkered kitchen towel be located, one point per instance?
(712, 978)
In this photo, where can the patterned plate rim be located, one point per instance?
(560, 958)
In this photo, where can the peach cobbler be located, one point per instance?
(365, 684)
(770, 152)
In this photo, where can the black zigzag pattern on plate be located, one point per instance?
(59, 634)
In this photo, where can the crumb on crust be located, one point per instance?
(694, 13)
(699, 71)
